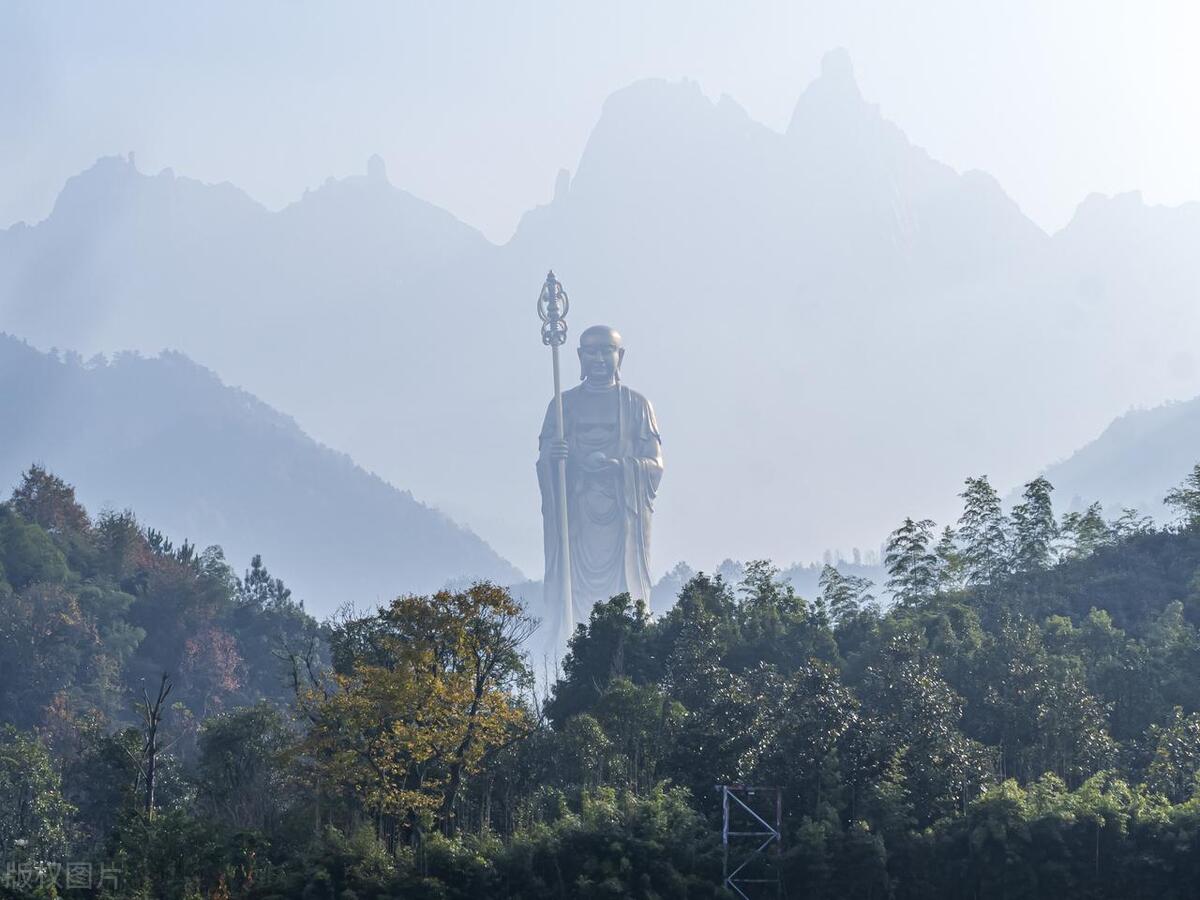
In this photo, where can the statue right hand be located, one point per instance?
(556, 450)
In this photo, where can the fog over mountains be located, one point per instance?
(1134, 462)
(211, 464)
(834, 327)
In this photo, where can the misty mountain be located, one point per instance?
(211, 464)
(834, 327)
(1133, 462)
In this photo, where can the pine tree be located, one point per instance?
(1034, 528)
(260, 589)
(912, 567)
(982, 533)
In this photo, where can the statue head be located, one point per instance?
(600, 355)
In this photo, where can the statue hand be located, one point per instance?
(598, 462)
(556, 450)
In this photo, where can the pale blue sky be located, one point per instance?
(475, 106)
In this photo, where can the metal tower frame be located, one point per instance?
(764, 848)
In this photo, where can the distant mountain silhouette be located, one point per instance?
(211, 464)
(1134, 461)
(834, 327)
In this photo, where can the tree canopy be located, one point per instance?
(1015, 714)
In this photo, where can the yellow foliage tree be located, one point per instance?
(422, 694)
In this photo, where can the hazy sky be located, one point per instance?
(475, 106)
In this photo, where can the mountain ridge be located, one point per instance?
(1134, 461)
(850, 304)
(205, 461)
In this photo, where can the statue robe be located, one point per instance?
(608, 513)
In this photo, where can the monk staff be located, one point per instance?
(552, 306)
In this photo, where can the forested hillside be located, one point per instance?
(93, 610)
(205, 461)
(1023, 722)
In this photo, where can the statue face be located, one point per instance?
(600, 354)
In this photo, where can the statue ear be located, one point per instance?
(620, 356)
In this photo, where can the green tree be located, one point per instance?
(912, 566)
(1034, 528)
(241, 773)
(983, 533)
(1000, 863)
(614, 643)
(1073, 727)
(1185, 499)
(260, 589)
(802, 719)
(861, 865)
(640, 723)
(950, 561)
(842, 596)
(913, 719)
(773, 623)
(1176, 763)
(586, 750)
(1131, 522)
(617, 845)
(27, 554)
(1084, 532)
(102, 783)
(34, 815)
(719, 704)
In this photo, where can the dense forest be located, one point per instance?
(1014, 714)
